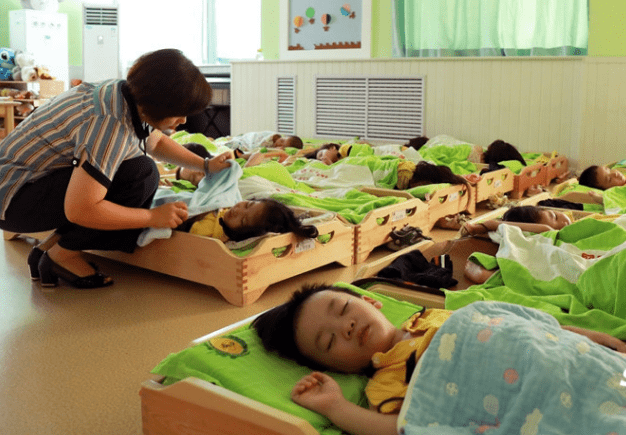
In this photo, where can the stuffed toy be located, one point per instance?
(7, 63)
(24, 67)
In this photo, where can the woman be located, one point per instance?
(78, 165)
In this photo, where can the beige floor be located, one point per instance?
(72, 361)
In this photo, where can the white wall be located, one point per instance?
(571, 105)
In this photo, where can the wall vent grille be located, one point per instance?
(386, 108)
(286, 105)
(100, 16)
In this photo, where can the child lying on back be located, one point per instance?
(330, 328)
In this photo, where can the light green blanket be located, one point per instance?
(614, 198)
(455, 157)
(353, 206)
(575, 274)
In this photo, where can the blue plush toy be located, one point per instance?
(7, 63)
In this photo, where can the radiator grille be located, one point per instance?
(390, 108)
(99, 16)
(286, 105)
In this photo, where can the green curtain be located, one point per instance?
(434, 28)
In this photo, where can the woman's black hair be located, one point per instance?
(276, 327)
(165, 83)
(589, 177)
(278, 218)
(523, 213)
(313, 153)
(427, 173)
(500, 151)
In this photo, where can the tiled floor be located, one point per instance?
(72, 361)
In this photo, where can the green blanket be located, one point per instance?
(455, 157)
(575, 274)
(353, 207)
(614, 198)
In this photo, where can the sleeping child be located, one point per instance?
(329, 328)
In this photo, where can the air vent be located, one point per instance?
(387, 108)
(100, 16)
(286, 105)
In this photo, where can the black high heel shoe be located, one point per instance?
(50, 272)
(33, 262)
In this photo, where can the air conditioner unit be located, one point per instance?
(101, 43)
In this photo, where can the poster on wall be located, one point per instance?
(325, 29)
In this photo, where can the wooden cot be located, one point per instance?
(531, 175)
(375, 229)
(194, 406)
(556, 167)
(492, 183)
(240, 280)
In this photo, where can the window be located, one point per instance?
(490, 28)
(206, 31)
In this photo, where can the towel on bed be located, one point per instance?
(574, 274)
(216, 190)
(500, 368)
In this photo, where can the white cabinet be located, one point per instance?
(44, 35)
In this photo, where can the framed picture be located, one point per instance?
(325, 29)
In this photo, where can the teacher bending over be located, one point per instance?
(78, 165)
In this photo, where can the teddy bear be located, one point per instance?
(7, 63)
(24, 67)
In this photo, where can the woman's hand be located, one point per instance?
(220, 162)
(317, 392)
(168, 215)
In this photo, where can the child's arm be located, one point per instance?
(321, 393)
(600, 338)
(492, 225)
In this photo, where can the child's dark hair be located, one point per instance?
(500, 151)
(198, 149)
(278, 218)
(589, 177)
(276, 327)
(417, 142)
(295, 142)
(427, 173)
(523, 213)
(313, 153)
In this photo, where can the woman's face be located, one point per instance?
(554, 219)
(169, 124)
(607, 178)
(245, 214)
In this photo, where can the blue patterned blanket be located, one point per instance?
(498, 368)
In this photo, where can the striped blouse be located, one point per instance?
(91, 118)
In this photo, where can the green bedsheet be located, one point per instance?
(238, 362)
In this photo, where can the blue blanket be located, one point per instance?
(499, 368)
(215, 191)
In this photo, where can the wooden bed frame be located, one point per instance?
(240, 280)
(556, 167)
(531, 175)
(194, 406)
(197, 407)
(375, 228)
(493, 183)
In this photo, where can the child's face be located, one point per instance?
(556, 220)
(245, 214)
(328, 156)
(343, 332)
(607, 178)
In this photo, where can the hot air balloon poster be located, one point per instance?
(316, 29)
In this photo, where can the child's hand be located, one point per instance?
(596, 197)
(317, 392)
